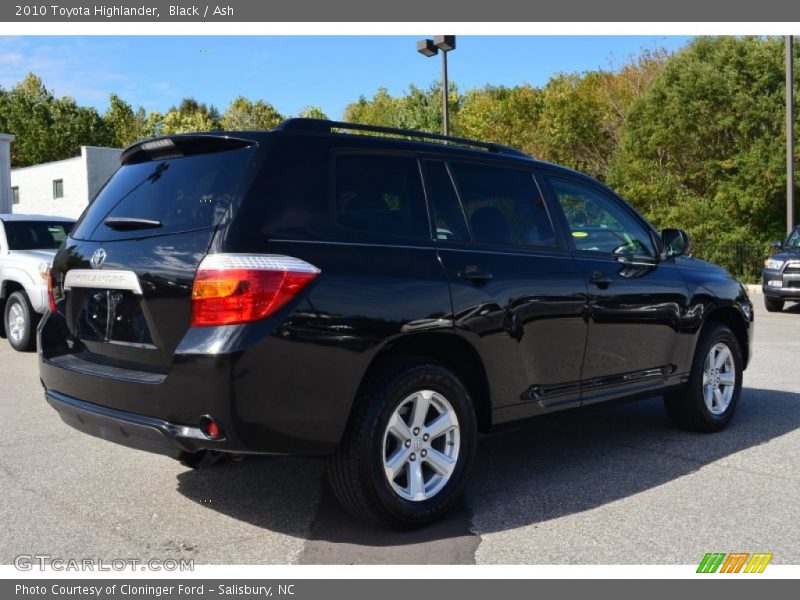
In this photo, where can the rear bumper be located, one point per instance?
(134, 431)
(254, 394)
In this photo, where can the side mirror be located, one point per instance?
(777, 246)
(676, 242)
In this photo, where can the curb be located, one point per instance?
(753, 288)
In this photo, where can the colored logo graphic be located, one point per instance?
(734, 562)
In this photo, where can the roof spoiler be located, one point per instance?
(177, 146)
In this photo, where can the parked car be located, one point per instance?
(781, 275)
(27, 246)
(377, 300)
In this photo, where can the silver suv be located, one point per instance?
(27, 246)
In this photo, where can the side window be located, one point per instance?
(503, 206)
(447, 213)
(381, 195)
(598, 223)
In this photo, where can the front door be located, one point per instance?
(635, 301)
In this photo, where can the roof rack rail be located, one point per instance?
(325, 126)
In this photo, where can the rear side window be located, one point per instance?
(503, 206)
(182, 194)
(381, 195)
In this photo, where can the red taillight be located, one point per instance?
(238, 288)
(51, 289)
(211, 428)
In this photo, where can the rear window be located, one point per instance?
(182, 194)
(36, 235)
(503, 206)
(381, 195)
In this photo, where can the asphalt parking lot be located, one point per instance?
(605, 485)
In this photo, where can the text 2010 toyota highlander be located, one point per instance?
(374, 299)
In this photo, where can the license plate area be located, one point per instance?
(112, 316)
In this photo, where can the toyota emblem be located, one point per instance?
(98, 258)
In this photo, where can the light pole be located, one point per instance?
(429, 48)
(789, 135)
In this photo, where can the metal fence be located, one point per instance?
(744, 261)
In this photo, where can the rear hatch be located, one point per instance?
(123, 280)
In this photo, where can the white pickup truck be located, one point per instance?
(27, 246)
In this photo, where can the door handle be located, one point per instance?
(600, 280)
(475, 274)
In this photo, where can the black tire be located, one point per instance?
(18, 304)
(687, 407)
(773, 304)
(356, 472)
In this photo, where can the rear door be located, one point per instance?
(124, 278)
(517, 294)
(636, 302)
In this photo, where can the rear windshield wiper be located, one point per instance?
(130, 223)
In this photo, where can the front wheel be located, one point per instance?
(20, 322)
(773, 304)
(709, 400)
(408, 449)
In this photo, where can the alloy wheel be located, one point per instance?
(16, 323)
(420, 445)
(719, 378)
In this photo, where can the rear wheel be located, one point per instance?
(709, 400)
(20, 322)
(408, 449)
(773, 304)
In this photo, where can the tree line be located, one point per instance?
(51, 128)
(693, 139)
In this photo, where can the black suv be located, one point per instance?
(377, 299)
(782, 273)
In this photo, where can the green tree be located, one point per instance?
(189, 116)
(124, 125)
(312, 112)
(625, 85)
(502, 114)
(418, 108)
(154, 124)
(47, 128)
(703, 148)
(381, 109)
(571, 129)
(245, 115)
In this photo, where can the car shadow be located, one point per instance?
(564, 464)
(538, 470)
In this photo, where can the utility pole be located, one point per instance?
(445, 103)
(789, 135)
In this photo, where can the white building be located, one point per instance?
(64, 187)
